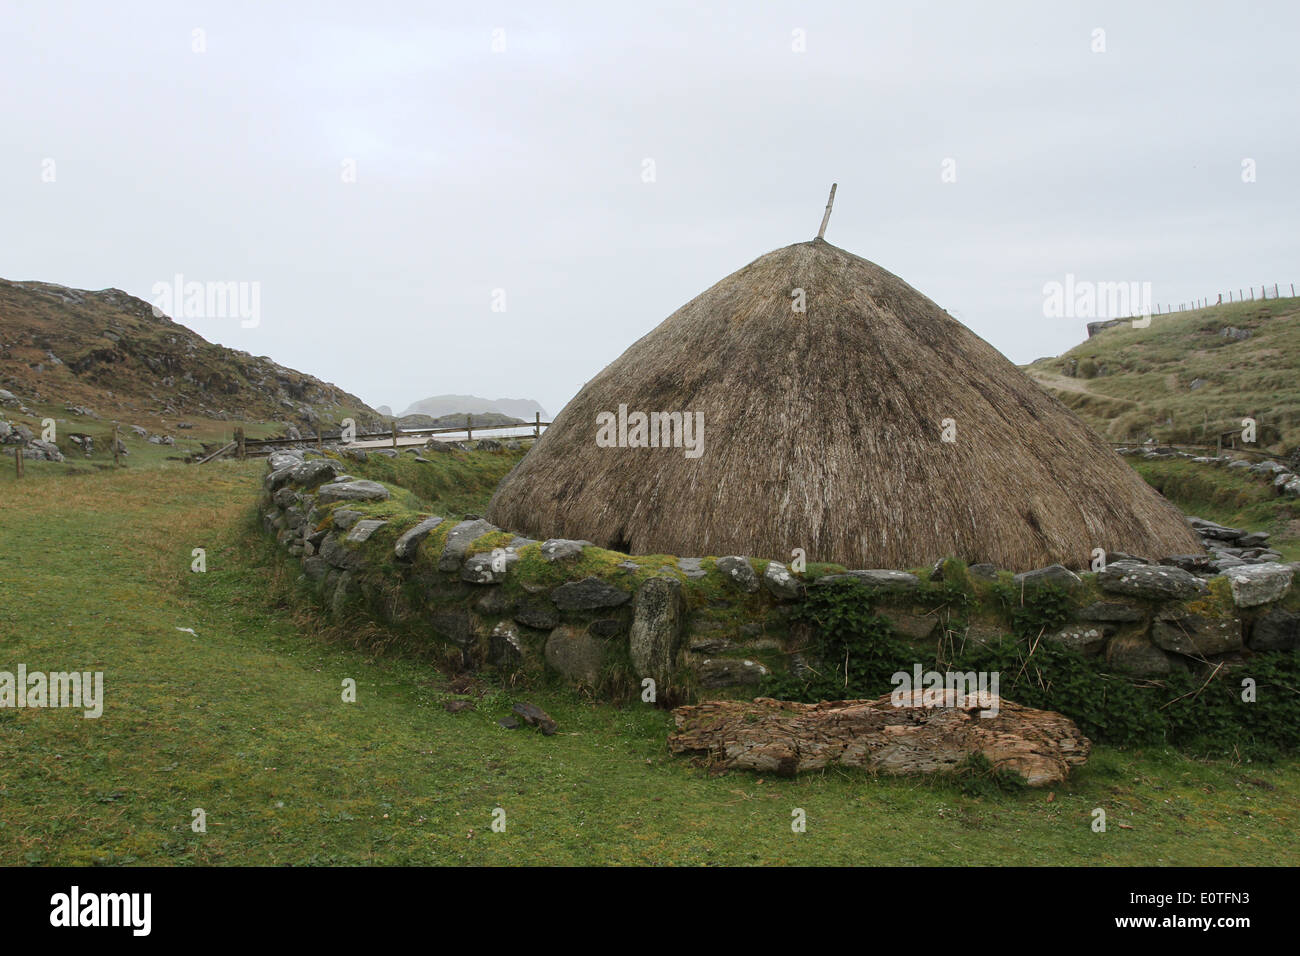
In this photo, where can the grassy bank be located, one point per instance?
(1182, 380)
(1228, 497)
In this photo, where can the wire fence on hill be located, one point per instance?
(1245, 294)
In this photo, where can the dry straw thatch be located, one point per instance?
(823, 431)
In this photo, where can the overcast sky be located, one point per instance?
(130, 156)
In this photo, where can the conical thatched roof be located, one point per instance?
(823, 431)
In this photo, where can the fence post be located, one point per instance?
(537, 425)
(469, 428)
(18, 460)
(239, 444)
(394, 432)
(1275, 290)
(114, 440)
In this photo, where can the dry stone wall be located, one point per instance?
(699, 626)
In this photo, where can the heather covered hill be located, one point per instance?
(109, 352)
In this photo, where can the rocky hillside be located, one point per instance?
(1188, 376)
(108, 352)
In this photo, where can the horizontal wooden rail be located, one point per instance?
(379, 436)
(229, 446)
(259, 446)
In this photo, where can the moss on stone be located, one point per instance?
(1218, 603)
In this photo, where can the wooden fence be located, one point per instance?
(242, 447)
(1242, 296)
(113, 439)
(251, 447)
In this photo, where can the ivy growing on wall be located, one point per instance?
(852, 653)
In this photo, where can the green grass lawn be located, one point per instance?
(245, 719)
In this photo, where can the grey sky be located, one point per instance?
(522, 170)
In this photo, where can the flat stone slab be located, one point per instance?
(458, 541)
(362, 530)
(1138, 656)
(737, 570)
(278, 477)
(488, 567)
(409, 542)
(785, 738)
(588, 594)
(533, 612)
(563, 549)
(281, 459)
(358, 490)
(1212, 529)
(345, 518)
(1255, 584)
(885, 580)
(1195, 636)
(1188, 562)
(1083, 639)
(780, 582)
(1153, 582)
(309, 474)
(1276, 630)
(575, 654)
(692, 568)
(334, 551)
(1110, 611)
(1056, 575)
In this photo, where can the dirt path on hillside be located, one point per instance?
(1061, 382)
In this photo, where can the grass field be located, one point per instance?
(1181, 380)
(244, 718)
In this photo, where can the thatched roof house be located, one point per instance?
(825, 430)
